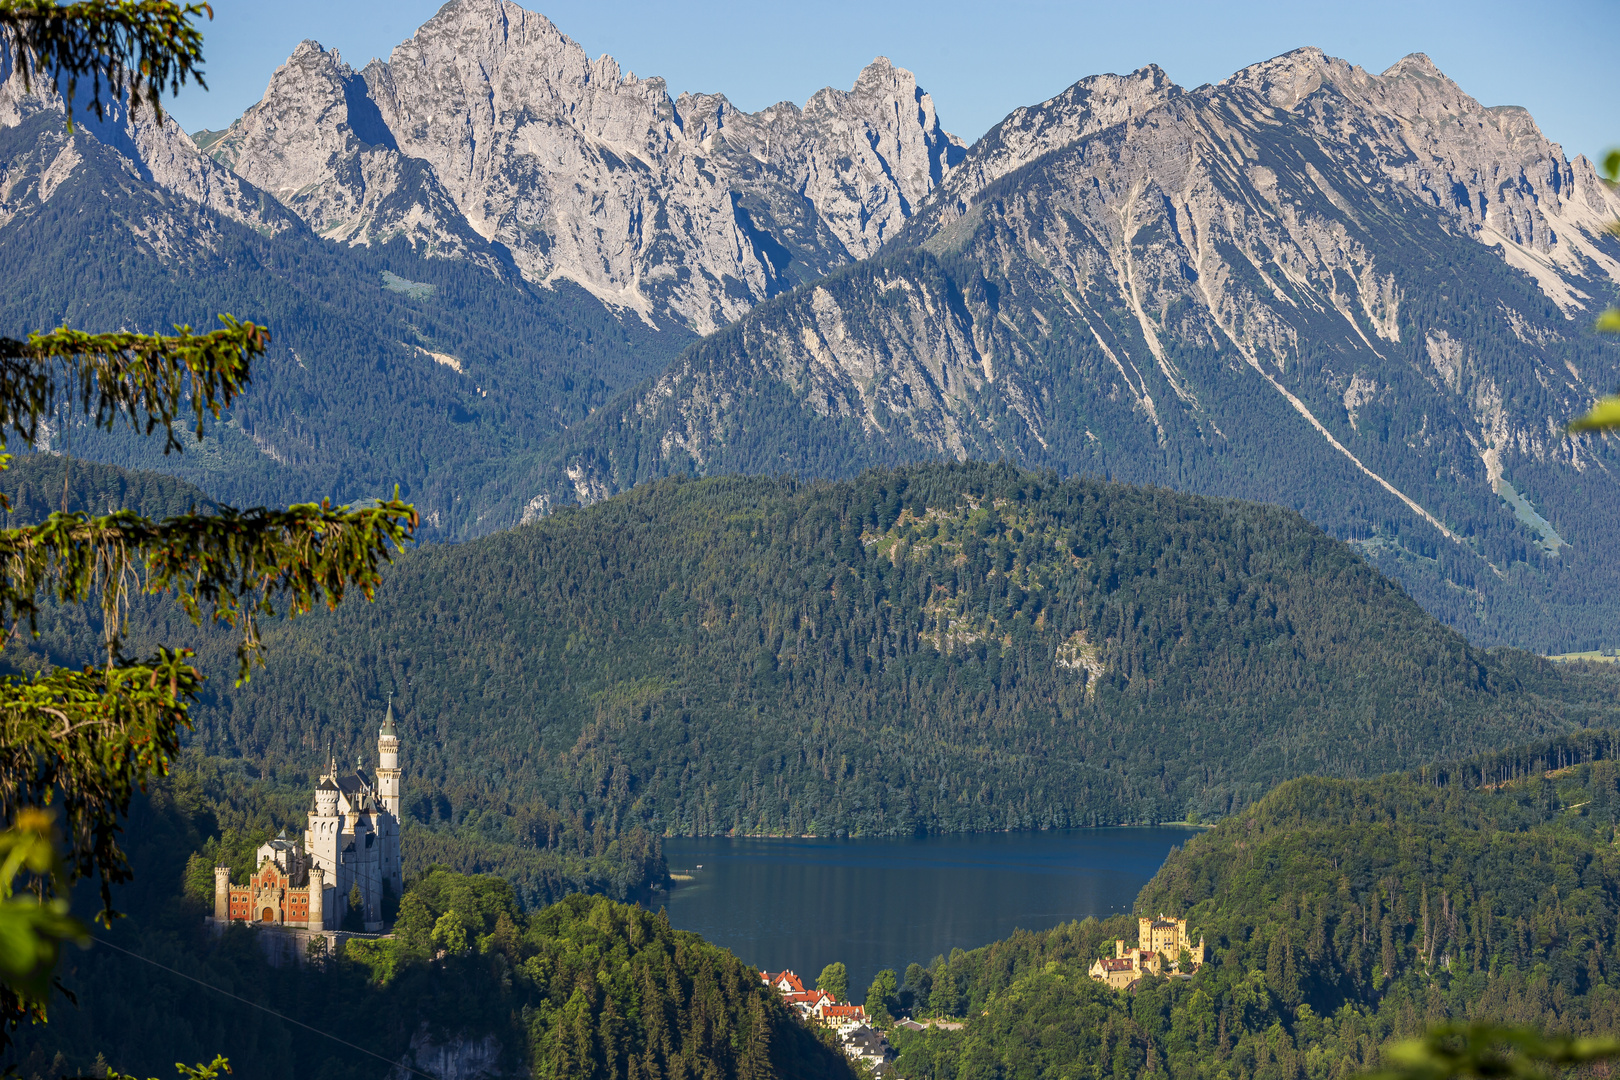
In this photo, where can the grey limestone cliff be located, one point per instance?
(1366, 296)
(152, 151)
(577, 170)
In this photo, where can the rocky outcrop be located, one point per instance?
(455, 1058)
(1030, 132)
(1490, 168)
(884, 348)
(581, 171)
(318, 144)
(153, 148)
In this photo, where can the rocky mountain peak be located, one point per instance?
(576, 169)
(1285, 81)
(1490, 168)
(1093, 104)
(149, 147)
(1414, 64)
(885, 128)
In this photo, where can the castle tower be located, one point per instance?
(222, 893)
(321, 838)
(388, 763)
(317, 899)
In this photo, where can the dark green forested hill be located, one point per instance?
(1341, 914)
(938, 648)
(542, 853)
(585, 989)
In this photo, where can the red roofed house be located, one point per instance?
(785, 982)
(807, 1002)
(829, 1013)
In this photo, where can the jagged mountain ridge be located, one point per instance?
(1266, 288)
(1364, 296)
(385, 368)
(490, 129)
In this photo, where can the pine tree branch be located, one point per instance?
(144, 377)
(136, 45)
(84, 742)
(231, 562)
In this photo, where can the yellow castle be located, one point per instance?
(1158, 949)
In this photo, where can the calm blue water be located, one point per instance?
(873, 904)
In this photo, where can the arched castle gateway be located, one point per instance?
(352, 842)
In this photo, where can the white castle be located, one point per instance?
(352, 843)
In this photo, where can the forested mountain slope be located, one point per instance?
(470, 984)
(542, 854)
(385, 367)
(1367, 297)
(1340, 914)
(942, 648)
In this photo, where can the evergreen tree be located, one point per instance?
(882, 999)
(77, 744)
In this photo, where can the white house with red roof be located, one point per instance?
(785, 982)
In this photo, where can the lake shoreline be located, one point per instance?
(800, 902)
(1202, 825)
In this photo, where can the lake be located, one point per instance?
(803, 903)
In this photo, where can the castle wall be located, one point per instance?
(287, 945)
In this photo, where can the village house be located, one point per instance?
(785, 982)
(1160, 943)
(860, 1041)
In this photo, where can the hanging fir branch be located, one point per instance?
(138, 46)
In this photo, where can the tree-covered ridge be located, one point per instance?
(1341, 914)
(730, 654)
(582, 988)
(602, 990)
(240, 803)
(38, 485)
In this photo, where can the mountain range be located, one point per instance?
(508, 277)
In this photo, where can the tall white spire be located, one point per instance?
(388, 762)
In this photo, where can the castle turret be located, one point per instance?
(388, 763)
(321, 838)
(222, 893)
(317, 899)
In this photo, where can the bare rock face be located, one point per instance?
(153, 149)
(883, 349)
(1365, 296)
(1091, 105)
(866, 159)
(318, 144)
(1489, 167)
(584, 172)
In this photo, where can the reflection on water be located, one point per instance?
(801, 904)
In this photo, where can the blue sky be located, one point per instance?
(980, 61)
